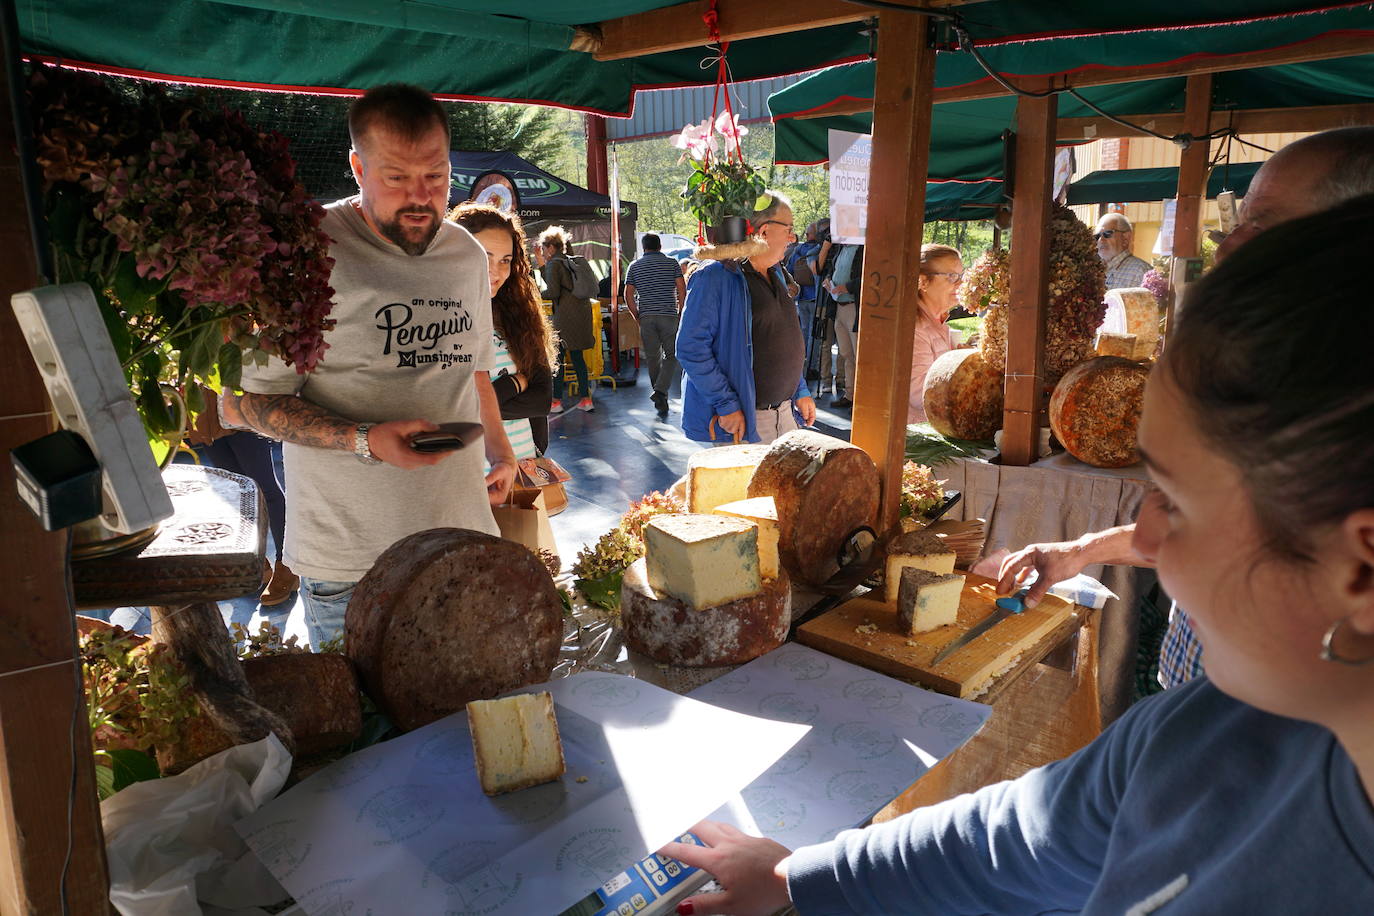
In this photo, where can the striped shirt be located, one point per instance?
(654, 277)
(1180, 657)
(517, 431)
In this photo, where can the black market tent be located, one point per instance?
(495, 50)
(546, 200)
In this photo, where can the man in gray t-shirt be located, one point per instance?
(412, 348)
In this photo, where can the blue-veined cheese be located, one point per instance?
(763, 512)
(703, 560)
(926, 600)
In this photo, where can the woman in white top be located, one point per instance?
(525, 342)
(941, 271)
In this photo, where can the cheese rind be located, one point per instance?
(926, 600)
(668, 631)
(703, 560)
(763, 512)
(515, 741)
(915, 550)
(721, 475)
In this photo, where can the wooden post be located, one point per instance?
(1192, 181)
(598, 172)
(892, 259)
(1030, 240)
(44, 735)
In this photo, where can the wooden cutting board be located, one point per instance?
(864, 631)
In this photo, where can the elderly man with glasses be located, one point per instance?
(740, 344)
(1114, 236)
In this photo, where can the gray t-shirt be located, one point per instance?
(411, 331)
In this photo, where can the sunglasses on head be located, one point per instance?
(1106, 233)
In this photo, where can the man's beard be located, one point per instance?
(395, 232)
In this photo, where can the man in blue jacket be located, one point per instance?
(740, 344)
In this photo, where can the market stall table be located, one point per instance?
(1059, 499)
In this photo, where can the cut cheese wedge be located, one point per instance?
(763, 512)
(915, 550)
(926, 600)
(721, 475)
(516, 742)
(703, 560)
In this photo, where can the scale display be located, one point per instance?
(650, 887)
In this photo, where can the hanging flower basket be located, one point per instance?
(723, 191)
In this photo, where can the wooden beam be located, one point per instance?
(673, 28)
(598, 164)
(1030, 235)
(1246, 121)
(44, 735)
(1192, 168)
(888, 298)
(1326, 48)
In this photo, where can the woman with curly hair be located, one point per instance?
(526, 345)
(572, 315)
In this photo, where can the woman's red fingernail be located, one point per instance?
(685, 908)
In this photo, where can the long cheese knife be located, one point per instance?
(1006, 607)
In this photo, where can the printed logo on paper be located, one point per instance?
(771, 809)
(952, 722)
(279, 848)
(803, 667)
(471, 878)
(333, 898)
(607, 692)
(445, 753)
(794, 761)
(866, 741)
(861, 790)
(347, 772)
(534, 804)
(789, 707)
(399, 813)
(732, 684)
(594, 854)
(874, 693)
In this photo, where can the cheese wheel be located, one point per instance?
(668, 630)
(450, 615)
(963, 396)
(1095, 410)
(1133, 311)
(823, 489)
(315, 694)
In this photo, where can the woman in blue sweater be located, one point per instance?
(1247, 790)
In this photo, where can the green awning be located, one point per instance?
(966, 136)
(1124, 185)
(478, 49)
(962, 199)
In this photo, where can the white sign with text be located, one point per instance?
(850, 154)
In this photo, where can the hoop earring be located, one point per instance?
(1329, 654)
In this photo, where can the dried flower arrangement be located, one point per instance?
(189, 225)
(921, 492)
(600, 567)
(1077, 282)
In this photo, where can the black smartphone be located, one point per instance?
(447, 438)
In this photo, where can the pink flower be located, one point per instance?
(729, 126)
(696, 141)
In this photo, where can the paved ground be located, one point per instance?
(616, 454)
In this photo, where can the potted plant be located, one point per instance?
(723, 190)
(201, 247)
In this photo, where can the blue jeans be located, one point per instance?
(325, 603)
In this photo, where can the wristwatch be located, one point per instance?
(360, 447)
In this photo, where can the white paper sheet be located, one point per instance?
(404, 826)
(871, 737)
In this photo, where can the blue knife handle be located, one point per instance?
(1014, 603)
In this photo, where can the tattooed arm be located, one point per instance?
(293, 419)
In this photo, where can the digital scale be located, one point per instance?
(650, 887)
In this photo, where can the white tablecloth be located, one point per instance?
(1059, 499)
